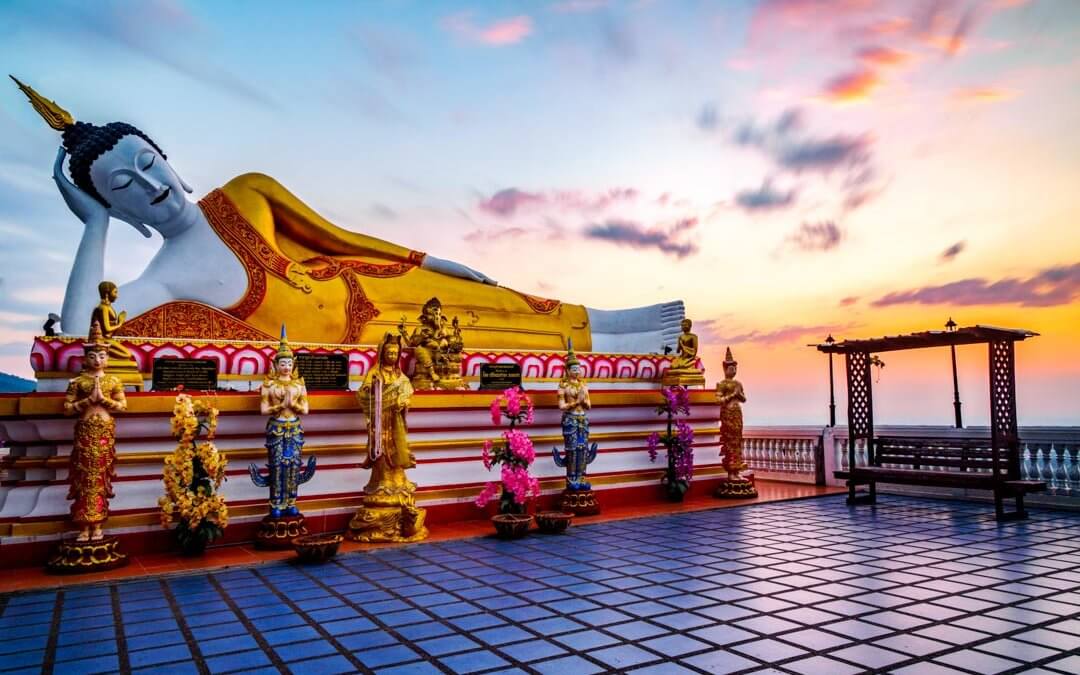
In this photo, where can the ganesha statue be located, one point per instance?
(263, 253)
(436, 349)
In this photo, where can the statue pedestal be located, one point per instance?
(79, 557)
(279, 532)
(579, 502)
(380, 520)
(741, 487)
(683, 378)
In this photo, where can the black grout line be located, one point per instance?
(54, 634)
(123, 662)
(185, 630)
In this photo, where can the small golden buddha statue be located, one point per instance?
(94, 396)
(684, 370)
(731, 395)
(389, 512)
(122, 363)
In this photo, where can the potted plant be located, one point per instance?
(515, 453)
(678, 439)
(193, 475)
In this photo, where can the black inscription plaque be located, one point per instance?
(500, 375)
(197, 374)
(324, 371)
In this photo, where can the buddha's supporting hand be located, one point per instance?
(90, 211)
(454, 269)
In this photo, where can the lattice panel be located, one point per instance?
(1002, 390)
(860, 398)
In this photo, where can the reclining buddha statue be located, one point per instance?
(258, 253)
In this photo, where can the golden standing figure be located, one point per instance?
(94, 396)
(684, 370)
(121, 362)
(730, 395)
(389, 513)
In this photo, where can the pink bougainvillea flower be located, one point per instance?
(496, 410)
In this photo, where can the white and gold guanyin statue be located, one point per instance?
(389, 512)
(253, 250)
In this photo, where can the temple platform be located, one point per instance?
(446, 433)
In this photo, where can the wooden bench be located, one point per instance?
(937, 462)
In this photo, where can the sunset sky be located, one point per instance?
(789, 168)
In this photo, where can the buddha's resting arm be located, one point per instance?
(275, 209)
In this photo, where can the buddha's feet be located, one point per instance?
(641, 330)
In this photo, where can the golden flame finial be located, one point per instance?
(95, 339)
(55, 116)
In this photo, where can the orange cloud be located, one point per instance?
(983, 95)
(883, 56)
(856, 86)
(890, 26)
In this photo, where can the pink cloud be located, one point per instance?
(495, 234)
(506, 203)
(497, 34)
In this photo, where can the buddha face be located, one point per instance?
(284, 367)
(390, 355)
(139, 184)
(687, 324)
(729, 370)
(575, 372)
(96, 360)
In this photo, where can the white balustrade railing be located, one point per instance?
(783, 453)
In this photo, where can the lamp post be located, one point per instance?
(832, 393)
(951, 327)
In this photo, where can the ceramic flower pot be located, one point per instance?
(553, 522)
(511, 526)
(317, 548)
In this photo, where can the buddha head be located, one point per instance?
(119, 166)
(686, 324)
(108, 291)
(730, 365)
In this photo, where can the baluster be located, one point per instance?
(1040, 463)
(840, 453)
(1027, 464)
(1052, 467)
(1072, 469)
(786, 458)
(750, 453)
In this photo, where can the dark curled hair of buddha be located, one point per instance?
(86, 142)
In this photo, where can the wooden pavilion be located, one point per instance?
(945, 462)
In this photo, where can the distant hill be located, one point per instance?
(12, 384)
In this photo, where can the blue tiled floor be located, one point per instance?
(809, 587)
